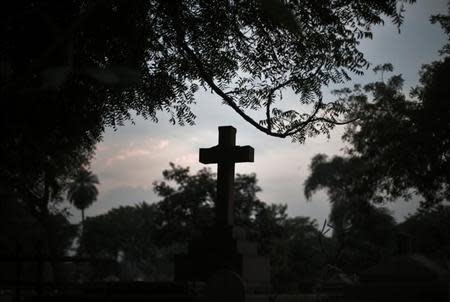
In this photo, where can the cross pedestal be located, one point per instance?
(219, 248)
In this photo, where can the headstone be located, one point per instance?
(219, 248)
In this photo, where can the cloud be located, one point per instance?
(102, 148)
(187, 159)
(162, 144)
(146, 148)
(127, 153)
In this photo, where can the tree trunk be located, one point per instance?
(49, 227)
(82, 223)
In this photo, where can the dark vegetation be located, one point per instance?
(71, 68)
(303, 255)
(149, 235)
(397, 148)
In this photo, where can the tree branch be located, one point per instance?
(205, 75)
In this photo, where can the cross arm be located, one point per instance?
(236, 154)
(208, 155)
(243, 154)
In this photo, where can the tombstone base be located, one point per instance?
(219, 249)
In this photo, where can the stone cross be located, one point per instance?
(226, 154)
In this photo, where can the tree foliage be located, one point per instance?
(398, 147)
(400, 144)
(129, 234)
(429, 231)
(363, 232)
(404, 142)
(23, 235)
(82, 190)
(150, 234)
(188, 201)
(106, 58)
(444, 22)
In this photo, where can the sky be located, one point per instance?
(131, 158)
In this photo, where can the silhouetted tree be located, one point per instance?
(295, 256)
(82, 191)
(129, 234)
(363, 232)
(69, 69)
(106, 58)
(382, 68)
(429, 233)
(150, 235)
(398, 146)
(290, 243)
(33, 177)
(404, 143)
(22, 232)
(188, 201)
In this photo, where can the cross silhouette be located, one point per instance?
(226, 154)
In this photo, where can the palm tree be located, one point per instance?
(82, 191)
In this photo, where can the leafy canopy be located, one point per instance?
(400, 144)
(106, 58)
(404, 142)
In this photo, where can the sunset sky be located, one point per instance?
(128, 160)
